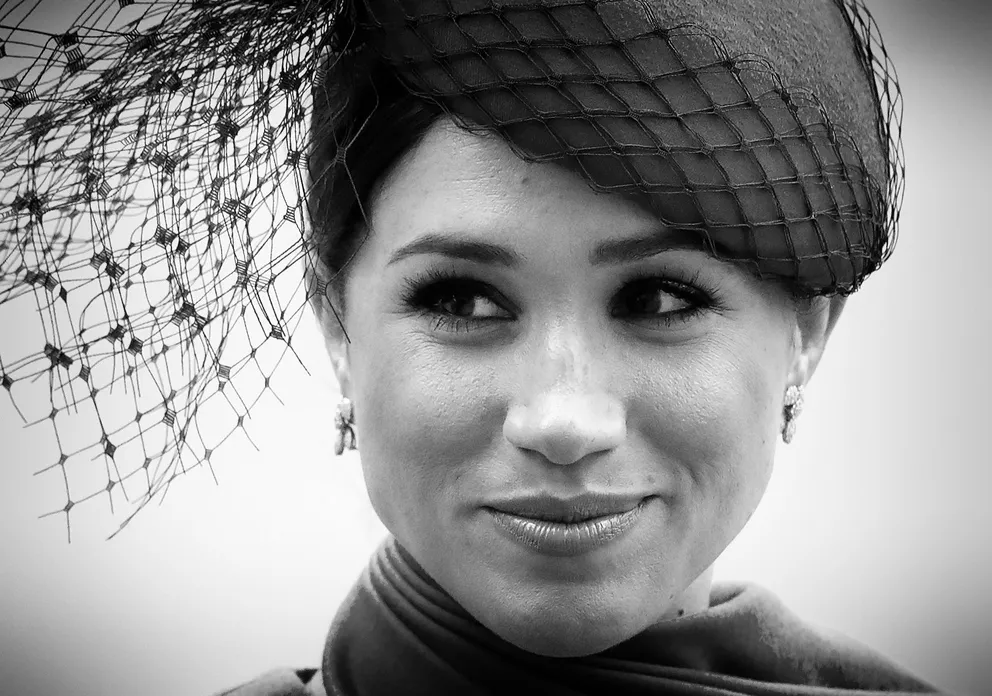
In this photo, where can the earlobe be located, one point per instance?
(336, 341)
(342, 370)
(815, 321)
(337, 349)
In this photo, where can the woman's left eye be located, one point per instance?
(659, 300)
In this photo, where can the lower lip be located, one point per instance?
(563, 538)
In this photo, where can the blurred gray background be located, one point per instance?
(877, 522)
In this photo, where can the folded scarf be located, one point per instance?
(398, 632)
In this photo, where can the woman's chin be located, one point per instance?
(565, 645)
(551, 638)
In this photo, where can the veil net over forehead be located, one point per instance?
(154, 178)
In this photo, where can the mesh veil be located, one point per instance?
(154, 186)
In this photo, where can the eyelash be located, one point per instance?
(423, 293)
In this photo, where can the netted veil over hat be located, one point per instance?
(162, 222)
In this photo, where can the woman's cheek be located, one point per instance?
(692, 403)
(426, 416)
(709, 419)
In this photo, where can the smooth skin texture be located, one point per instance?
(551, 368)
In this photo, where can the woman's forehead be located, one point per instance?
(470, 184)
(467, 186)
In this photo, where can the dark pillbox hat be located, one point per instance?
(756, 123)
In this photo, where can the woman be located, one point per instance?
(574, 264)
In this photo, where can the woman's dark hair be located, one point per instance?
(364, 120)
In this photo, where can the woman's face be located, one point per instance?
(514, 334)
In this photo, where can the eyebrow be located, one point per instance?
(457, 247)
(614, 251)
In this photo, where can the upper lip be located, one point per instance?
(545, 506)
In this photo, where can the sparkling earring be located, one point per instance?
(793, 407)
(344, 423)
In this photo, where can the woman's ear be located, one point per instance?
(328, 311)
(337, 345)
(340, 364)
(815, 320)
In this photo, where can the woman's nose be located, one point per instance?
(565, 412)
(566, 427)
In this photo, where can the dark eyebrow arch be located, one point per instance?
(457, 248)
(615, 251)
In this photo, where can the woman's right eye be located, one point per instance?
(457, 304)
(465, 302)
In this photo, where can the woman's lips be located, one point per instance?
(566, 527)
